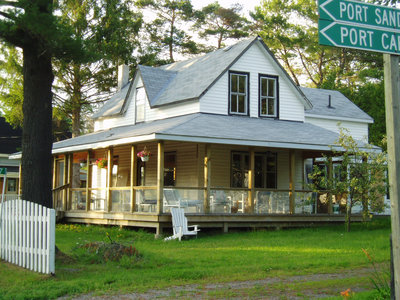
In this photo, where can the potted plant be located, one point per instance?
(101, 163)
(144, 154)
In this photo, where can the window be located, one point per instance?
(265, 170)
(140, 104)
(169, 168)
(11, 185)
(238, 94)
(268, 92)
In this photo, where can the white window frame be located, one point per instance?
(140, 104)
(237, 94)
(267, 98)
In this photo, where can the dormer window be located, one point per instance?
(140, 104)
(238, 93)
(268, 96)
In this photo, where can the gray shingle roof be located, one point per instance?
(194, 76)
(341, 106)
(115, 105)
(213, 129)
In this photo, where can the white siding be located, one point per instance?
(255, 61)
(357, 130)
(169, 111)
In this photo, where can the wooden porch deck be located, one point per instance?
(217, 221)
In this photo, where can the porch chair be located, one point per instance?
(172, 198)
(180, 225)
(219, 201)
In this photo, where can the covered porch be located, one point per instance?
(218, 185)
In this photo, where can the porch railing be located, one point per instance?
(221, 200)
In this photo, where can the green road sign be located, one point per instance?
(358, 37)
(360, 13)
(3, 171)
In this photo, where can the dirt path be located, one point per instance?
(313, 286)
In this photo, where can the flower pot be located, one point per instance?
(145, 158)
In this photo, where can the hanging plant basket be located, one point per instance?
(101, 163)
(145, 158)
(144, 154)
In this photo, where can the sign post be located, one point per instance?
(364, 26)
(3, 171)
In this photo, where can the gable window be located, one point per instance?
(238, 93)
(268, 96)
(265, 170)
(140, 104)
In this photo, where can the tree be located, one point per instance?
(31, 26)
(362, 176)
(296, 45)
(11, 85)
(224, 23)
(109, 29)
(165, 31)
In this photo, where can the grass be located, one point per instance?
(211, 258)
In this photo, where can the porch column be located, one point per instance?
(133, 176)
(292, 171)
(251, 181)
(88, 181)
(54, 179)
(70, 174)
(207, 179)
(109, 175)
(65, 175)
(160, 177)
(330, 177)
(20, 179)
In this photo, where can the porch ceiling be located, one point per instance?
(209, 128)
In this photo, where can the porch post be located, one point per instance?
(160, 177)
(70, 174)
(109, 175)
(54, 179)
(251, 194)
(330, 177)
(292, 171)
(65, 190)
(133, 177)
(20, 179)
(88, 181)
(207, 179)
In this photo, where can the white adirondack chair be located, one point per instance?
(180, 225)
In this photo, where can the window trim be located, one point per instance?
(136, 104)
(247, 113)
(266, 154)
(260, 115)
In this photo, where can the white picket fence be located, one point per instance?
(27, 235)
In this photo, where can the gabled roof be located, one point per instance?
(115, 105)
(209, 128)
(341, 107)
(191, 78)
(188, 79)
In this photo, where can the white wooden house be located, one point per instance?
(229, 133)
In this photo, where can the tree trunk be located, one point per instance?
(37, 126)
(76, 122)
(348, 215)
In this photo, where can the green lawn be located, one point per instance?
(210, 258)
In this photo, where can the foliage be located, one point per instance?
(101, 252)
(379, 279)
(109, 29)
(166, 32)
(11, 88)
(290, 29)
(224, 23)
(362, 175)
